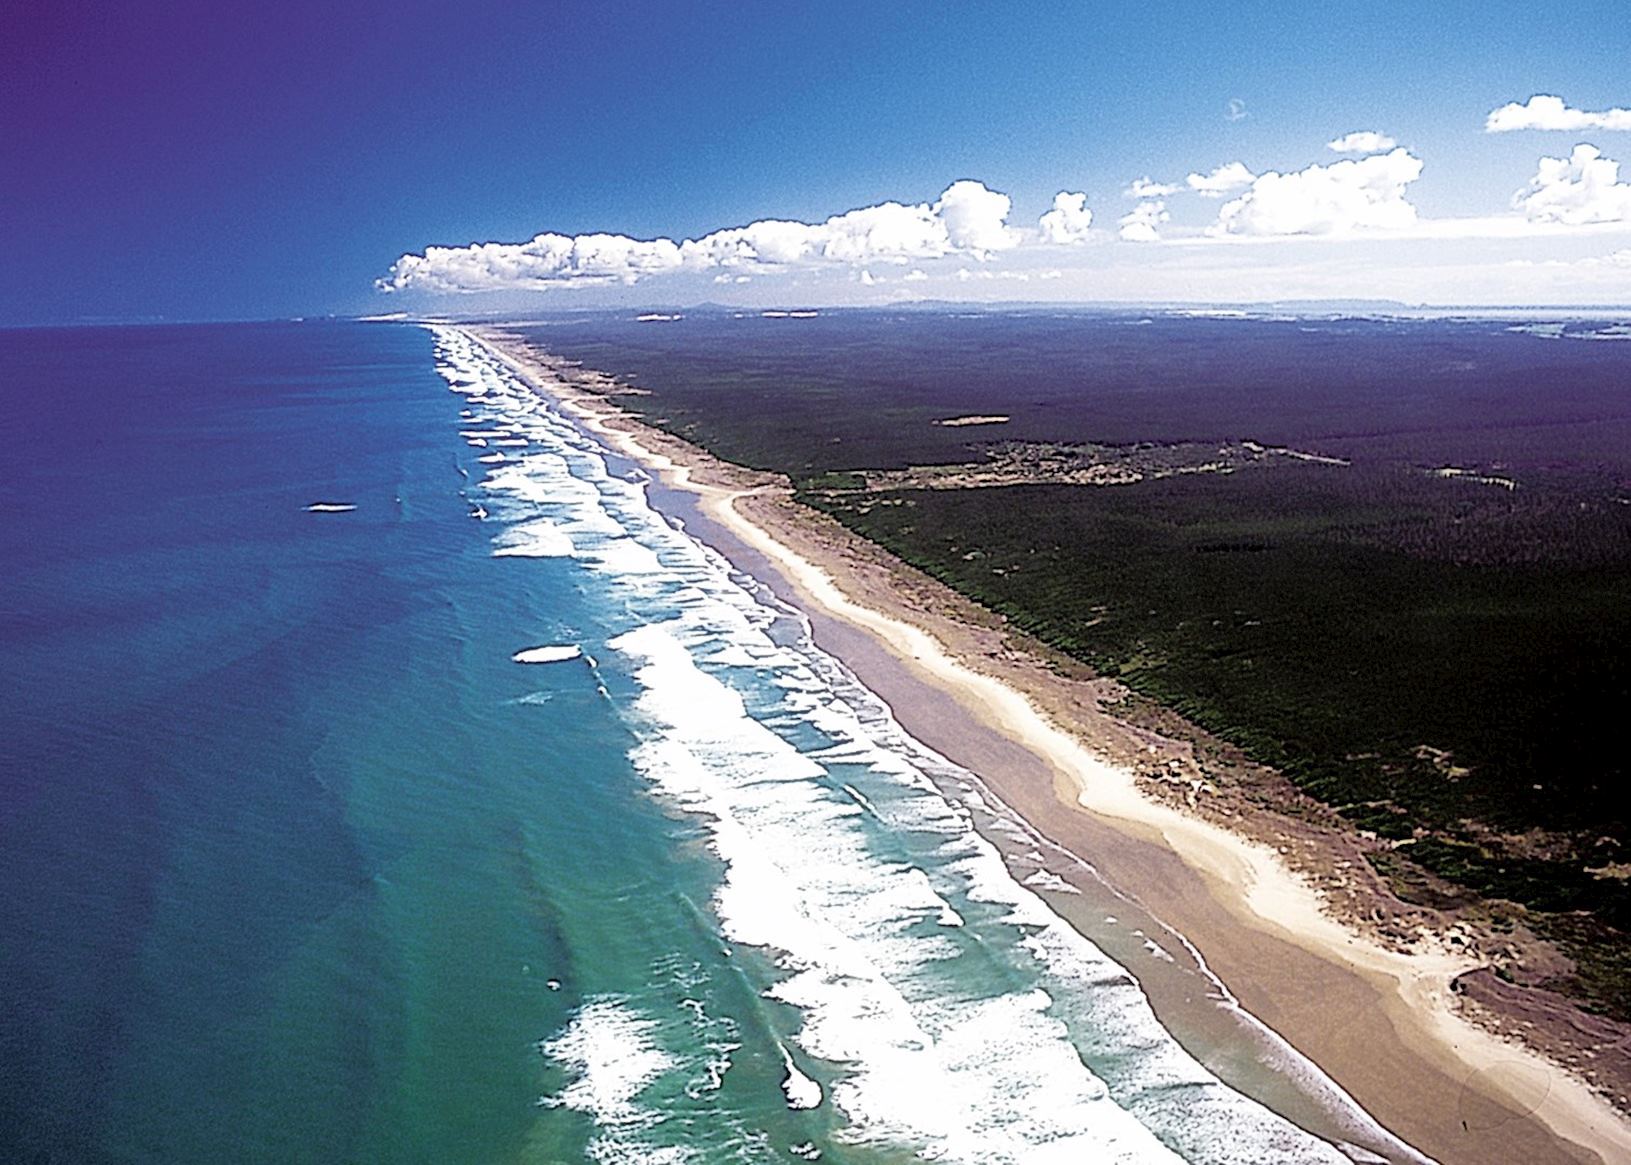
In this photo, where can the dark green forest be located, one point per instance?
(1425, 629)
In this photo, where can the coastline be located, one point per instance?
(1382, 1022)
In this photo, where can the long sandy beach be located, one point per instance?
(1240, 953)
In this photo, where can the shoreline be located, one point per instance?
(1382, 1023)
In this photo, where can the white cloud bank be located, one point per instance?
(968, 219)
(1224, 180)
(1069, 220)
(1148, 188)
(1361, 197)
(1544, 111)
(1579, 190)
(1339, 199)
(1362, 141)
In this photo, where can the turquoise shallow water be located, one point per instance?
(306, 867)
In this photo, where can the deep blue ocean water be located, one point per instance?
(301, 866)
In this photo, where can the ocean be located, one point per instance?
(302, 864)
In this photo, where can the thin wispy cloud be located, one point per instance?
(1361, 142)
(1618, 260)
(1147, 188)
(1544, 111)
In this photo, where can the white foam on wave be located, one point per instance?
(1157, 950)
(610, 1049)
(1048, 880)
(552, 653)
(538, 539)
(329, 508)
(802, 1092)
(719, 1036)
(622, 556)
(859, 797)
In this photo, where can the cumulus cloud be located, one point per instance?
(1583, 188)
(1068, 221)
(1544, 111)
(1354, 195)
(975, 218)
(1221, 181)
(1145, 188)
(1361, 141)
(1142, 223)
(967, 219)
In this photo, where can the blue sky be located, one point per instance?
(192, 160)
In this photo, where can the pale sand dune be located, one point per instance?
(1382, 1023)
